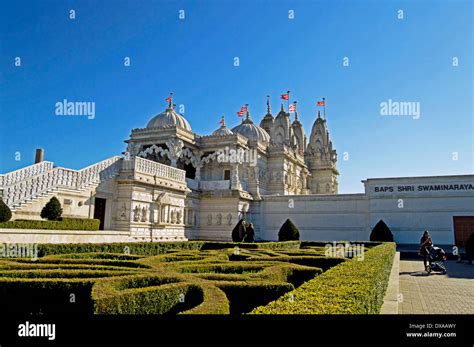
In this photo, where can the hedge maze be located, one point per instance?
(160, 278)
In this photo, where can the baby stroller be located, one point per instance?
(436, 258)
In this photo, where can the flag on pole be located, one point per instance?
(285, 96)
(292, 107)
(321, 103)
(243, 109)
(222, 122)
(240, 113)
(169, 98)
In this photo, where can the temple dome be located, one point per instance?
(223, 130)
(168, 118)
(251, 131)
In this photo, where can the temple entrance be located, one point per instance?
(463, 227)
(99, 211)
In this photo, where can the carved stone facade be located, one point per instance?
(173, 184)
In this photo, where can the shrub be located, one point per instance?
(214, 301)
(288, 232)
(352, 287)
(45, 295)
(144, 295)
(5, 213)
(381, 232)
(138, 248)
(258, 245)
(470, 248)
(52, 210)
(63, 224)
(244, 296)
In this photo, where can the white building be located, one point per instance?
(173, 184)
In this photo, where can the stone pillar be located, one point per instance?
(175, 149)
(235, 180)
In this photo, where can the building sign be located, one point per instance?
(424, 188)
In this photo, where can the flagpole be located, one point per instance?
(324, 107)
(288, 92)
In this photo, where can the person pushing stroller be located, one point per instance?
(433, 257)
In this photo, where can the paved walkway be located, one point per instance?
(436, 293)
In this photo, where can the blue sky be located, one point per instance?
(409, 59)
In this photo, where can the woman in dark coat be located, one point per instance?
(424, 243)
(250, 234)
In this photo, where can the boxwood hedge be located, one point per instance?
(63, 224)
(352, 287)
(194, 277)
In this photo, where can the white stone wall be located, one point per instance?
(406, 211)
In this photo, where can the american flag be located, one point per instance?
(243, 109)
(240, 113)
(292, 108)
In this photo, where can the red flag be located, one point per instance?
(169, 98)
(240, 113)
(285, 96)
(243, 109)
(320, 103)
(292, 108)
(222, 121)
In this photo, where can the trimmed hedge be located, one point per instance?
(156, 248)
(46, 295)
(258, 245)
(244, 296)
(214, 301)
(353, 287)
(152, 278)
(145, 295)
(63, 224)
(136, 248)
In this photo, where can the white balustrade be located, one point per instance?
(24, 173)
(23, 185)
(141, 165)
(31, 185)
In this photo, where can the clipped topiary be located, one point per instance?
(470, 248)
(288, 232)
(52, 210)
(238, 232)
(5, 213)
(381, 232)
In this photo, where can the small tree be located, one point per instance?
(381, 232)
(288, 232)
(470, 248)
(238, 232)
(52, 210)
(5, 212)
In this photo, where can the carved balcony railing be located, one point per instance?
(152, 168)
(58, 177)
